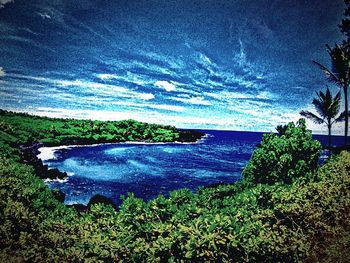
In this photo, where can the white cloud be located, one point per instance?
(193, 100)
(228, 95)
(31, 77)
(4, 2)
(107, 76)
(229, 122)
(44, 15)
(168, 107)
(265, 95)
(231, 95)
(199, 101)
(129, 77)
(94, 87)
(204, 58)
(146, 96)
(150, 105)
(2, 72)
(168, 86)
(83, 114)
(153, 117)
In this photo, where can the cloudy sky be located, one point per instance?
(218, 64)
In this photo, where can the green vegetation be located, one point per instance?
(328, 107)
(345, 23)
(286, 218)
(283, 158)
(23, 129)
(340, 71)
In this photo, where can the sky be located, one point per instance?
(210, 64)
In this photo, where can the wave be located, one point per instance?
(48, 153)
(56, 180)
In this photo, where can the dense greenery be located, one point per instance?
(23, 128)
(305, 218)
(282, 158)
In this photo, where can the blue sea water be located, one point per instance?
(148, 170)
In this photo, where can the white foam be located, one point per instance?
(56, 180)
(48, 153)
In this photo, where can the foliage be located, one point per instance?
(327, 107)
(340, 71)
(281, 129)
(345, 24)
(239, 222)
(25, 128)
(283, 158)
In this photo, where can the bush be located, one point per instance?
(283, 158)
(306, 220)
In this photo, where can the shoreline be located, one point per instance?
(47, 152)
(30, 155)
(36, 153)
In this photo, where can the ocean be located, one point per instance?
(149, 170)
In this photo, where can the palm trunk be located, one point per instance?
(346, 114)
(329, 135)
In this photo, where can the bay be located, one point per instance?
(148, 170)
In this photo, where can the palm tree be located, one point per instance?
(340, 74)
(345, 23)
(281, 129)
(327, 107)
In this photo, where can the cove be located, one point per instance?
(149, 170)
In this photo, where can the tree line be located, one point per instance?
(327, 105)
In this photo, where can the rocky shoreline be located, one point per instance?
(29, 155)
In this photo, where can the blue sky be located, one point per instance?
(223, 64)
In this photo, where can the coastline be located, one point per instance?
(36, 153)
(48, 152)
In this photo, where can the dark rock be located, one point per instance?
(29, 156)
(100, 199)
(190, 136)
(79, 207)
(55, 174)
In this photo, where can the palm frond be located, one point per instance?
(337, 97)
(335, 104)
(342, 117)
(312, 117)
(329, 74)
(319, 106)
(340, 57)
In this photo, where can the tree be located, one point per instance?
(345, 24)
(340, 74)
(328, 108)
(283, 158)
(281, 129)
(340, 58)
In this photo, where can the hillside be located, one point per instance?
(296, 213)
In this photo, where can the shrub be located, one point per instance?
(306, 220)
(285, 157)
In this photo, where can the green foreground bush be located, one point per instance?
(284, 157)
(306, 219)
